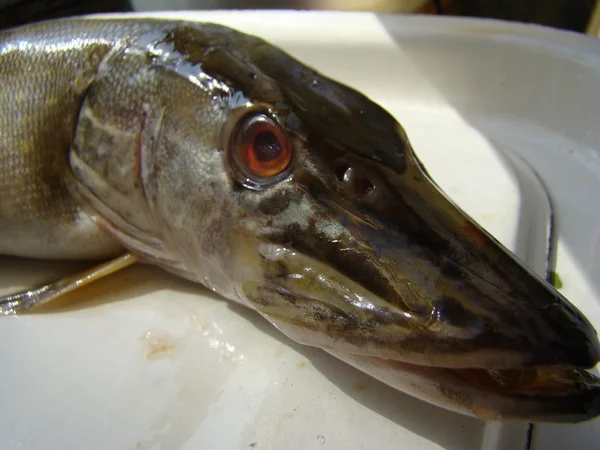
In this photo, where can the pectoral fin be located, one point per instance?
(24, 301)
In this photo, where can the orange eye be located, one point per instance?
(261, 148)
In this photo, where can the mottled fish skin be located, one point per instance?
(120, 135)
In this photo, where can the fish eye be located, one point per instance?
(261, 151)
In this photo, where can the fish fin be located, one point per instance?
(24, 301)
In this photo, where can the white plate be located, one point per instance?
(148, 361)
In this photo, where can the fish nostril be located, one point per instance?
(354, 180)
(341, 170)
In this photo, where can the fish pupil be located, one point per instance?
(266, 146)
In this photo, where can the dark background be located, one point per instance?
(566, 14)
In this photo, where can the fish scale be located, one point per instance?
(40, 97)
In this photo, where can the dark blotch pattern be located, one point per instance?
(274, 205)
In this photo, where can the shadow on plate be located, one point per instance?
(430, 422)
(127, 284)
(435, 424)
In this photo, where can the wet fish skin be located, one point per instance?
(44, 74)
(114, 135)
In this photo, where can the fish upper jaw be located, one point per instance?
(318, 305)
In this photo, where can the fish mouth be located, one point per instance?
(316, 305)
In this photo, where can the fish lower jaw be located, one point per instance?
(555, 394)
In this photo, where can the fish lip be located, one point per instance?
(446, 388)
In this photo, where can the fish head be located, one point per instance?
(299, 197)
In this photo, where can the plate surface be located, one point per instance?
(148, 361)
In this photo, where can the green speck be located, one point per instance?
(555, 280)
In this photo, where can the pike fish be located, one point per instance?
(222, 159)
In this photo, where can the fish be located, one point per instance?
(222, 159)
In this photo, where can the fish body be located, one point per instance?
(43, 85)
(222, 159)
